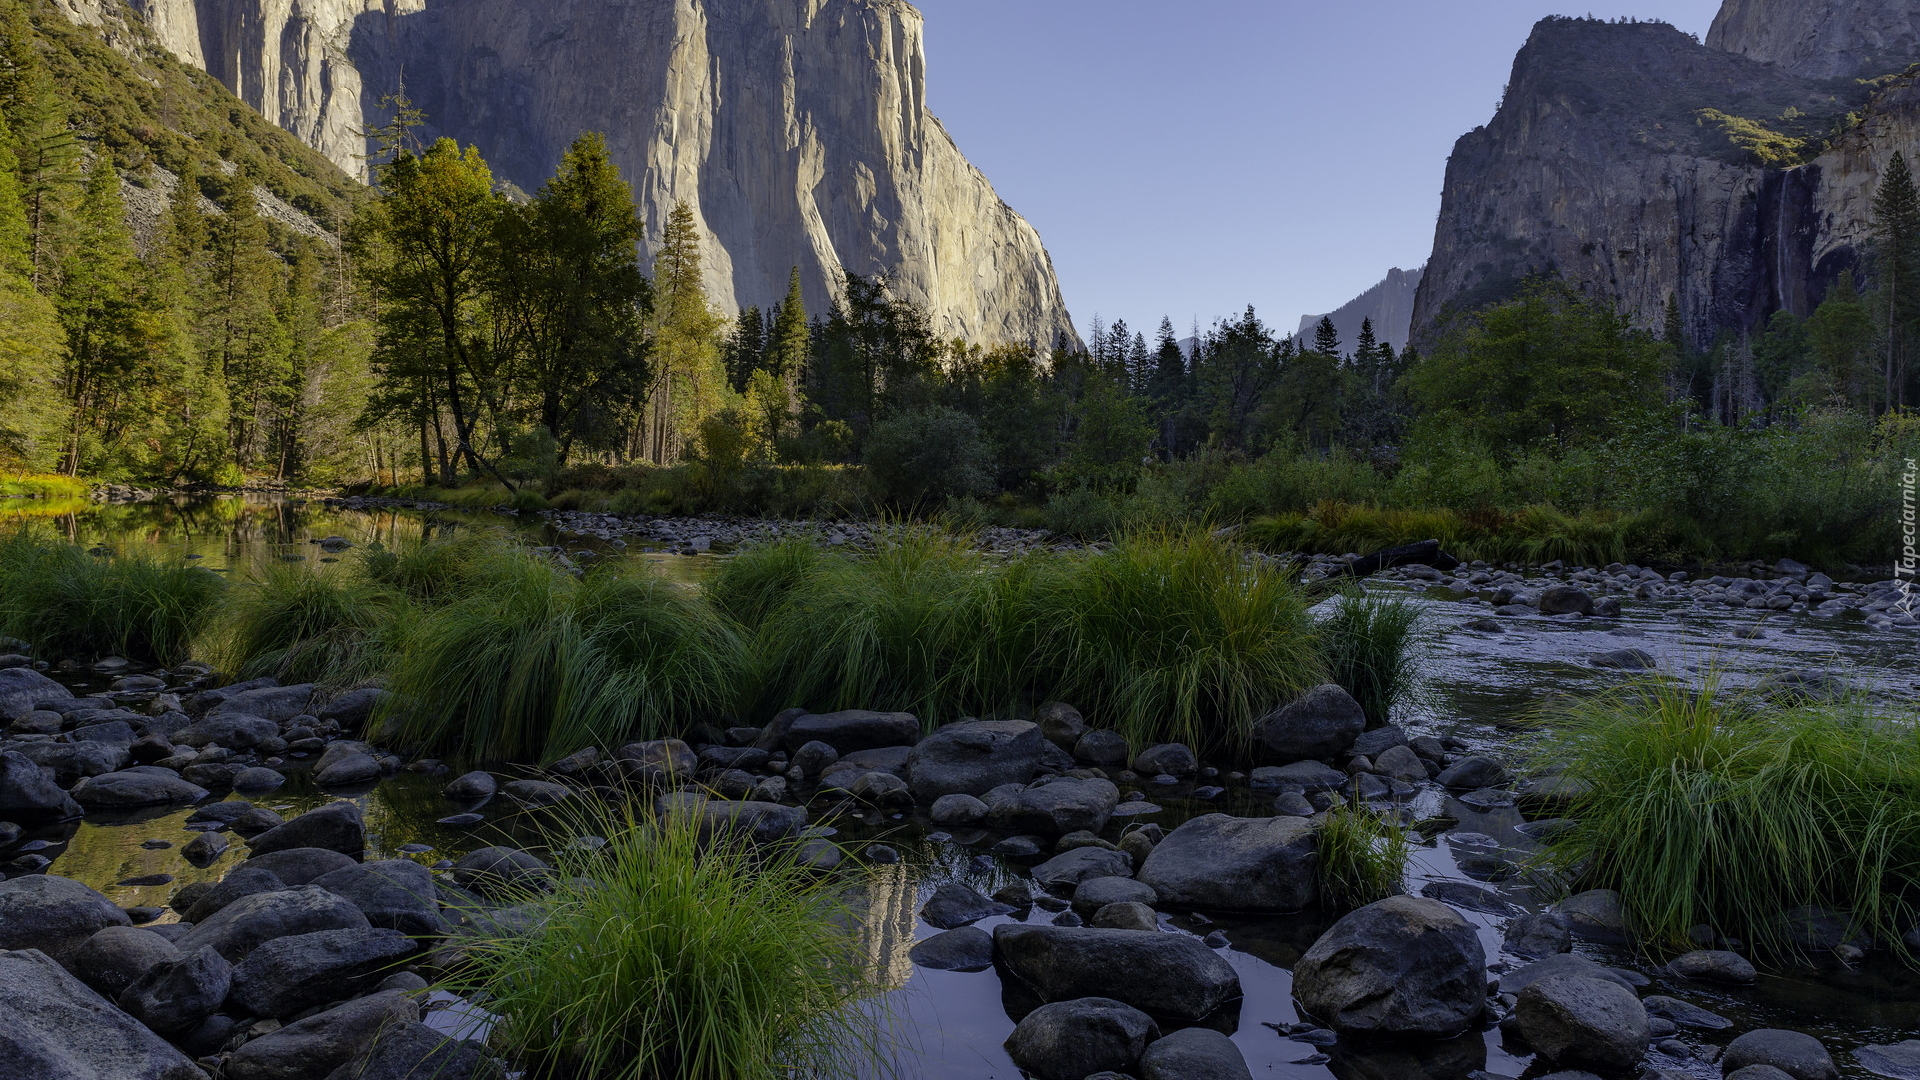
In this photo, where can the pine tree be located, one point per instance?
(1896, 222)
(244, 332)
(98, 280)
(689, 381)
(1326, 339)
(789, 348)
(192, 394)
(32, 413)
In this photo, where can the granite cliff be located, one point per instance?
(1821, 38)
(1389, 304)
(1645, 165)
(797, 129)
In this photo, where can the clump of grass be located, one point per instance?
(68, 603)
(436, 570)
(1719, 809)
(532, 663)
(1363, 858)
(1373, 648)
(661, 956)
(753, 584)
(1534, 534)
(41, 486)
(1176, 638)
(302, 625)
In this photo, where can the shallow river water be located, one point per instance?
(950, 1025)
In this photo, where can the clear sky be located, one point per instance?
(1191, 157)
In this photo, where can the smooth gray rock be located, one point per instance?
(22, 689)
(1095, 893)
(1900, 1060)
(1169, 759)
(478, 784)
(1226, 863)
(1758, 1072)
(493, 871)
(1320, 724)
(958, 810)
(348, 770)
(1169, 975)
(1402, 967)
(298, 866)
(276, 703)
(1714, 965)
(1102, 747)
(1582, 1023)
(30, 793)
(1546, 933)
(337, 826)
(291, 974)
(1472, 773)
(251, 921)
(242, 880)
(258, 779)
(1054, 809)
(1684, 1013)
(1060, 724)
(52, 1027)
(1799, 1056)
(1596, 915)
(537, 793)
(1195, 1053)
(145, 785)
(72, 761)
(657, 763)
(955, 904)
(1566, 600)
(117, 956)
(174, 996)
(235, 731)
(812, 760)
(1065, 872)
(968, 948)
(1300, 776)
(1066, 1040)
(394, 894)
(1127, 915)
(973, 758)
(1624, 660)
(354, 708)
(55, 915)
(313, 1048)
(1569, 964)
(757, 822)
(411, 1051)
(854, 730)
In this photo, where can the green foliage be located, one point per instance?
(928, 456)
(68, 603)
(1709, 807)
(1111, 435)
(1772, 149)
(669, 954)
(298, 624)
(1362, 857)
(529, 662)
(753, 584)
(1373, 647)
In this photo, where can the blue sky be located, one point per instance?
(1191, 157)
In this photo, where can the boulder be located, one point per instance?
(395, 894)
(30, 794)
(413, 1051)
(1402, 967)
(1168, 975)
(657, 763)
(1596, 915)
(352, 709)
(492, 871)
(812, 760)
(967, 949)
(1582, 1023)
(1567, 964)
(538, 793)
(298, 866)
(758, 822)
(1068, 1039)
(276, 703)
(313, 1048)
(1167, 759)
(854, 730)
(955, 904)
(291, 974)
(1127, 915)
(251, 921)
(22, 689)
(55, 915)
(1900, 1060)
(243, 880)
(144, 785)
(1095, 893)
(973, 758)
(1566, 600)
(337, 826)
(1799, 1056)
(1065, 872)
(72, 761)
(1624, 660)
(54, 1028)
(1472, 773)
(117, 732)
(1400, 763)
(1714, 965)
(1226, 863)
(117, 956)
(1547, 933)
(1195, 1053)
(174, 996)
(1684, 1013)
(347, 770)
(958, 810)
(235, 731)
(258, 779)
(1320, 724)
(1060, 724)
(1102, 748)
(877, 788)
(1054, 809)
(472, 786)
(1300, 776)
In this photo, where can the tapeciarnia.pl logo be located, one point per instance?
(1907, 569)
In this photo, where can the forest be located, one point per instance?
(174, 318)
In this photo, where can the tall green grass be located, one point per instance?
(298, 625)
(1362, 858)
(41, 486)
(1534, 534)
(67, 603)
(1715, 808)
(1373, 647)
(660, 957)
(531, 663)
(753, 584)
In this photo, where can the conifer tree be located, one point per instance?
(244, 331)
(96, 298)
(1896, 223)
(32, 414)
(191, 392)
(689, 381)
(1326, 339)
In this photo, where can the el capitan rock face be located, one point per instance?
(797, 129)
(1821, 38)
(1598, 167)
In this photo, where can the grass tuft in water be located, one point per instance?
(301, 625)
(1708, 807)
(68, 603)
(664, 956)
(1373, 647)
(1363, 858)
(752, 585)
(533, 663)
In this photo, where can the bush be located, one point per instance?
(1372, 647)
(1707, 807)
(68, 603)
(665, 955)
(928, 456)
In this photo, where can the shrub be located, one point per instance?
(66, 602)
(1363, 858)
(1706, 807)
(662, 955)
(1372, 646)
(928, 456)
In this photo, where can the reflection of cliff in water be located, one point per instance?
(890, 903)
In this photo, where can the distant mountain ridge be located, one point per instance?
(1389, 305)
